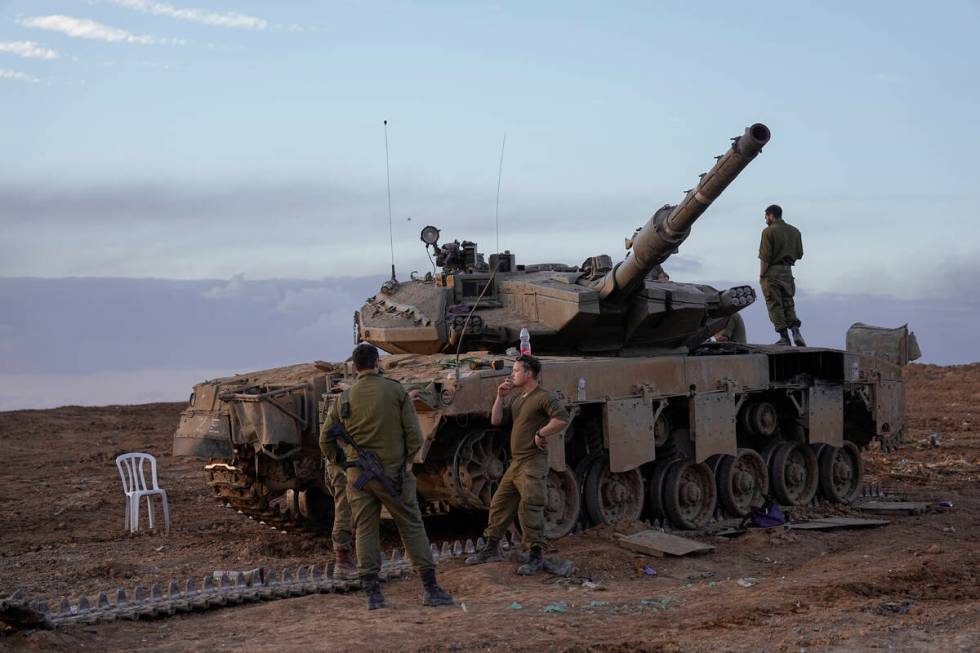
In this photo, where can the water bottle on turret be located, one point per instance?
(525, 341)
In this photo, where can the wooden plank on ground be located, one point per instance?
(831, 523)
(855, 522)
(661, 544)
(894, 507)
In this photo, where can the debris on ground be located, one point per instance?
(660, 544)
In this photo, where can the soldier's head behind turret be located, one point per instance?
(365, 357)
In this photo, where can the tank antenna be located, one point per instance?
(500, 173)
(391, 231)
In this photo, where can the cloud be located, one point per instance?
(28, 50)
(230, 19)
(6, 73)
(132, 340)
(83, 28)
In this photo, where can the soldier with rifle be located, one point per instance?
(379, 437)
(342, 535)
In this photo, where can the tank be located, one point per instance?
(666, 424)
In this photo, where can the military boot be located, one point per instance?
(798, 337)
(344, 567)
(534, 564)
(373, 590)
(489, 553)
(783, 339)
(432, 594)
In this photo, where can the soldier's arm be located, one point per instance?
(328, 444)
(765, 247)
(558, 420)
(500, 411)
(411, 429)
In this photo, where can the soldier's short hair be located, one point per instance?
(775, 211)
(531, 364)
(365, 356)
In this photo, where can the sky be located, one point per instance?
(214, 141)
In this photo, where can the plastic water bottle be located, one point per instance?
(581, 388)
(525, 341)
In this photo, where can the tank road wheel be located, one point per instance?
(479, 464)
(613, 497)
(761, 419)
(743, 482)
(562, 506)
(841, 472)
(655, 488)
(690, 495)
(317, 508)
(793, 473)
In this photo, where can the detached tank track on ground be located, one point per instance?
(235, 487)
(159, 604)
(18, 612)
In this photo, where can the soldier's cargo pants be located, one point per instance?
(523, 491)
(366, 505)
(343, 529)
(778, 287)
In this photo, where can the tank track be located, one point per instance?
(233, 486)
(17, 611)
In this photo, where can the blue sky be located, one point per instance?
(259, 126)
(244, 140)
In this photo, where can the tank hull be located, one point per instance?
(653, 436)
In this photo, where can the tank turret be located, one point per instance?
(596, 307)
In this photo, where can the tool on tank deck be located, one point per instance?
(666, 426)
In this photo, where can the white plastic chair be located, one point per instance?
(134, 485)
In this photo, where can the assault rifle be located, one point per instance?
(371, 467)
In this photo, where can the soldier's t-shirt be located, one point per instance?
(781, 244)
(527, 414)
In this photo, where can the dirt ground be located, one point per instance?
(912, 585)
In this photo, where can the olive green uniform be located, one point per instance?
(383, 421)
(734, 330)
(523, 490)
(343, 526)
(780, 248)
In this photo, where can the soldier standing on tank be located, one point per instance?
(382, 421)
(535, 415)
(781, 247)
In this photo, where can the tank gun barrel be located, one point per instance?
(670, 225)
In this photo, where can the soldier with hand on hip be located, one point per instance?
(379, 435)
(781, 247)
(537, 419)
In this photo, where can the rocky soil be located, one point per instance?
(912, 585)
